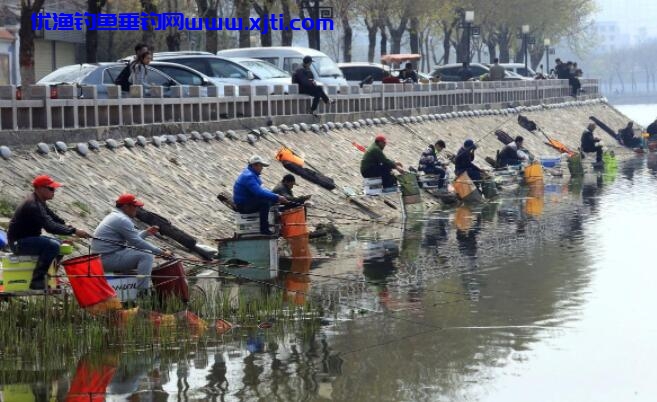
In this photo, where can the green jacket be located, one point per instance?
(374, 157)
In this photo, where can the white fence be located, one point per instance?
(37, 110)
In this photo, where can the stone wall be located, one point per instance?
(181, 180)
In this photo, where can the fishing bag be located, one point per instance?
(166, 228)
(526, 123)
(310, 175)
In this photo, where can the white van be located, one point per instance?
(290, 58)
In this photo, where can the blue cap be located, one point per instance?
(469, 144)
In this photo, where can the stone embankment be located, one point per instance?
(181, 180)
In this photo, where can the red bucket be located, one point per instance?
(87, 279)
(169, 280)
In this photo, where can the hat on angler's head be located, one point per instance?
(307, 60)
(45, 181)
(128, 199)
(381, 138)
(469, 144)
(258, 159)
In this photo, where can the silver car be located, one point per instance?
(102, 75)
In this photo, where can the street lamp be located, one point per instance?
(546, 42)
(525, 40)
(468, 18)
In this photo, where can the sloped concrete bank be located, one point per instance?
(180, 180)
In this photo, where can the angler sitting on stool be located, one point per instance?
(463, 162)
(31, 216)
(376, 164)
(249, 196)
(513, 153)
(590, 143)
(116, 231)
(284, 188)
(431, 163)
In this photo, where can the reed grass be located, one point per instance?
(44, 332)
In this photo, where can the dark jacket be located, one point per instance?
(626, 135)
(31, 217)
(652, 130)
(509, 156)
(406, 74)
(562, 71)
(248, 187)
(304, 78)
(464, 160)
(374, 156)
(282, 189)
(429, 160)
(588, 141)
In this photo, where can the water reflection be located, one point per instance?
(444, 310)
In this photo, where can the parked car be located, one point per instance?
(265, 71)
(355, 73)
(222, 70)
(450, 72)
(290, 58)
(519, 68)
(101, 75)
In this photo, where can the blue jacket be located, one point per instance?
(248, 187)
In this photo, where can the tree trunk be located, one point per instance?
(243, 10)
(371, 39)
(384, 40)
(264, 12)
(396, 34)
(503, 41)
(286, 35)
(26, 35)
(346, 39)
(447, 42)
(421, 52)
(413, 35)
(427, 40)
(492, 50)
(148, 35)
(91, 36)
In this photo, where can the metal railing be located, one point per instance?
(80, 107)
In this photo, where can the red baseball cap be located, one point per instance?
(129, 199)
(45, 181)
(381, 138)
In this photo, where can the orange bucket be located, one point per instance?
(293, 222)
(169, 280)
(464, 186)
(286, 155)
(534, 173)
(88, 280)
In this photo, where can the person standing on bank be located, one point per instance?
(307, 85)
(250, 196)
(376, 164)
(32, 216)
(118, 230)
(138, 68)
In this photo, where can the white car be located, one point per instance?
(265, 72)
(290, 58)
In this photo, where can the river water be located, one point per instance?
(539, 296)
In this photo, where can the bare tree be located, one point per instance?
(26, 35)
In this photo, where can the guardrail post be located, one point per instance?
(8, 120)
